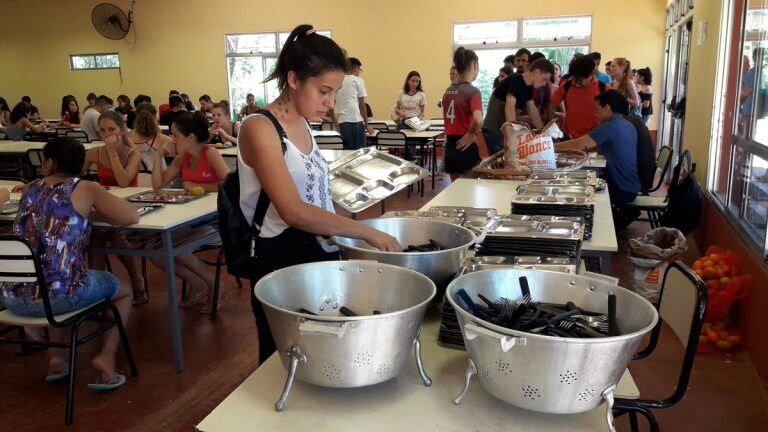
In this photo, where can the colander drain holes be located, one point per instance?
(484, 374)
(568, 377)
(332, 373)
(586, 395)
(503, 367)
(531, 393)
(384, 369)
(362, 359)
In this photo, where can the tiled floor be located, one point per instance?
(725, 392)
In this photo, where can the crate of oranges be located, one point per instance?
(718, 337)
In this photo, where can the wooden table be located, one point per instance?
(497, 194)
(401, 404)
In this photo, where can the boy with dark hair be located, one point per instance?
(521, 59)
(598, 58)
(176, 104)
(577, 96)
(34, 112)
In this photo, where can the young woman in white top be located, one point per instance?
(309, 72)
(411, 99)
(147, 137)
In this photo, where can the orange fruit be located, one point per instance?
(703, 339)
(715, 257)
(708, 263)
(725, 280)
(700, 272)
(734, 340)
(711, 335)
(723, 334)
(723, 345)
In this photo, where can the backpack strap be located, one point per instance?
(566, 87)
(262, 205)
(601, 85)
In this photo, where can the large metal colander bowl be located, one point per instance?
(333, 350)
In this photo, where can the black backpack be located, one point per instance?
(238, 236)
(684, 203)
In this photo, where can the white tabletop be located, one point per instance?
(400, 404)
(410, 133)
(8, 146)
(497, 194)
(326, 133)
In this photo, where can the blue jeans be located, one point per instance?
(353, 135)
(96, 286)
(494, 140)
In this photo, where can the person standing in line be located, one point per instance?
(576, 96)
(621, 72)
(643, 78)
(521, 60)
(462, 116)
(509, 62)
(598, 59)
(349, 114)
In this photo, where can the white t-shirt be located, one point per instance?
(410, 104)
(309, 174)
(90, 124)
(348, 100)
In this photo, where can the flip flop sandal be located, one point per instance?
(116, 382)
(55, 377)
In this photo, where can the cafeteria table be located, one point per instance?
(400, 404)
(165, 233)
(497, 194)
(421, 139)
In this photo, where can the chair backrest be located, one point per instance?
(326, 126)
(329, 142)
(683, 301)
(60, 132)
(664, 157)
(379, 125)
(78, 135)
(391, 139)
(19, 263)
(35, 159)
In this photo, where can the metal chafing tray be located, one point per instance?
(558, 264)
(367, 176)
(165, 196)
(552, 229)
(570, 195)
(587, 175)
(432, 215)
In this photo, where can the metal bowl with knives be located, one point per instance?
(545, 373)
(345, 324)
(440, 265)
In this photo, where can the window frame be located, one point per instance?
(520, 42)
(72, 67)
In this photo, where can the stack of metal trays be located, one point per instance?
(572, 201)
(367, 176)
(566, 178)
(450, 332)
(475, 219)
(541, 235)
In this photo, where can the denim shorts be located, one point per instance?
(96, 286)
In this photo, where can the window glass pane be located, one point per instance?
(251, 43)
(272, 91)
(557, 29)
(107, 61)
(756, 211)
(753, 112)
(489, 32)
(490, 61)
(562, 55)
(83, 62)
(245, 76)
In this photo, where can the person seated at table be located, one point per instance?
(223, 130)
(411, 100)
(138, 100)
(164, 108)
(117, 164)
(617, 140)
(70, 112)
(34, 112)
(124, 106)
(147, 137)
(90, 120)
(53, 216)
(206, 106)
(91, 98)
(200, 166)
(19, 123)
(188, 105)
(249, 108)
(5, 113)
(177, 108)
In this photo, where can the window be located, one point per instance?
(250, 60)
(94, 61)
(557, 38)
(739, 157)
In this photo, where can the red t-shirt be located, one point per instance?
(459, 101)
(580, 108)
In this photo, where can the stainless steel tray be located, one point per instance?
(539, 218)
(562, 265)
(164, 196)
(8, 208)
(367, 176)
(561, 230)
(572, 195)
(587, 175)
(432, 215)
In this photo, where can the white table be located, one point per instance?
(401, 404)
(8, 146)
(497, 194)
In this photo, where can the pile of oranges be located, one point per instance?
(720, 336)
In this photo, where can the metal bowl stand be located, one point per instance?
(607, 395)
(298, 358)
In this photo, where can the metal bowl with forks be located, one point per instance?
(545, 373)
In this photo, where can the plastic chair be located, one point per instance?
(78, 135)
(662, 162)
(326, 126)
(330, 142)
(397, 140)
(655, 206)
(35, 159)
(683, 301)
(19, 263)
(379, 125)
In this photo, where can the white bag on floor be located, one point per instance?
(646, 277)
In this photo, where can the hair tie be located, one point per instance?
(309, 32)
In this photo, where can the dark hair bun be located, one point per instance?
(193, 123)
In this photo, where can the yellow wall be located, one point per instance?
(181, 42)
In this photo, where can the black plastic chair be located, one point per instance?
(19, 263)
(683, 301)
(35, 159)
(655, 206)
(663, 160)
(78, 135)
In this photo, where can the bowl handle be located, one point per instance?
(309, 327)
(506, 342)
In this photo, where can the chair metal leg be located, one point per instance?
(72, 367)
(633, 421)
(124, 340)
(144, 275)
(215, 305)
